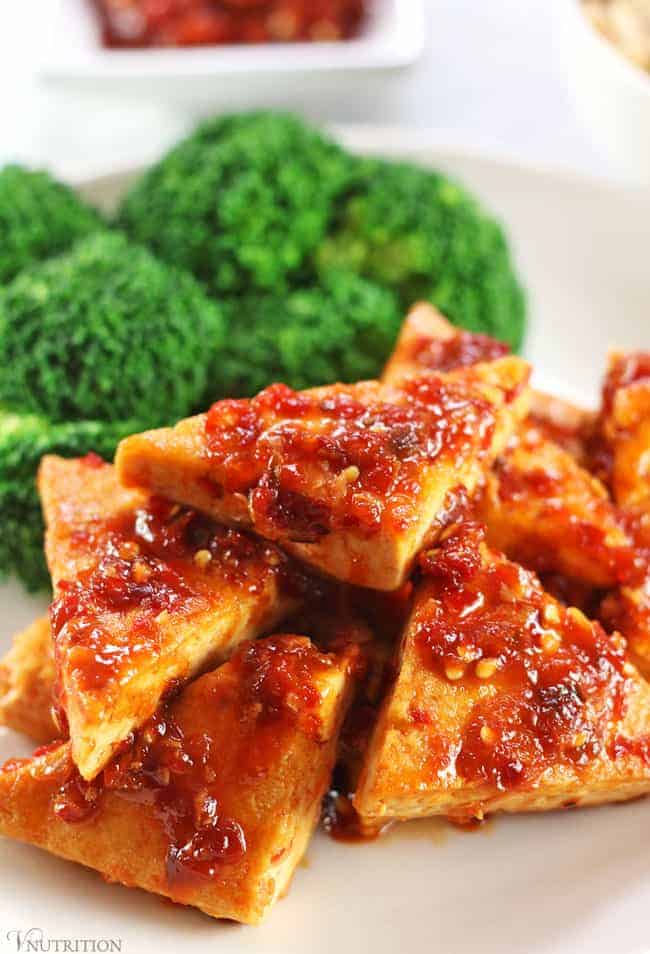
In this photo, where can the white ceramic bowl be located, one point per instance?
(612, 95)
(232, 77)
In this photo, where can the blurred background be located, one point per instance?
(490, 76)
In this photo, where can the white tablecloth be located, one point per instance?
(491, 77)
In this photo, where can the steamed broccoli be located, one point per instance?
(341, 330)
(105, 332)
(242, 202)
(38, 218)
(96, 343)
(261, 203)
(422, 235)
(23, 440)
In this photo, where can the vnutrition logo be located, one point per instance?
(36, 941)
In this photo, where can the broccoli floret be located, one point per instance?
(105, 332)
(241, 203)
(23, 441)
(39, 217)
(341, 330)
(421, 234)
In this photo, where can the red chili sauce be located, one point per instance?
(626, 370)
(458, 351)
(153, 560)
(560, 680)
(150, 23)
(552, 490)
(345, 457)
(193, 780)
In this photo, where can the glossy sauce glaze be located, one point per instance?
(460, 350)
(344, 457)
(534, 477)
(625, 370)
(572, 592)
(148, 565)
(566, 425)
(192, 763)
(560, 680)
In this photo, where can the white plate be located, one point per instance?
(72, 55)
(560, 883)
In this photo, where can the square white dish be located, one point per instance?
(72, 55)
(553, 884)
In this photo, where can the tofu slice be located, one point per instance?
(625, 426)
(504, 700)
(627, 610)
(147, 594)
(540, 505)
(215, 801)
(546, 511)
(349, 478)
(428, 342)
(625, 463)
(571, 427)
(27, 677)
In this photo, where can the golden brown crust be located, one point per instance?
(27, 683)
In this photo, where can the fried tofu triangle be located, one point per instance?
(571, 427)
(147, 594)
(625, 463)
(540, 505)
(428, 342)
(505, 700)
(627, 610)
(349, 478)
(215, 800)
(625, 428)
(27, 677)
(544, 510)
